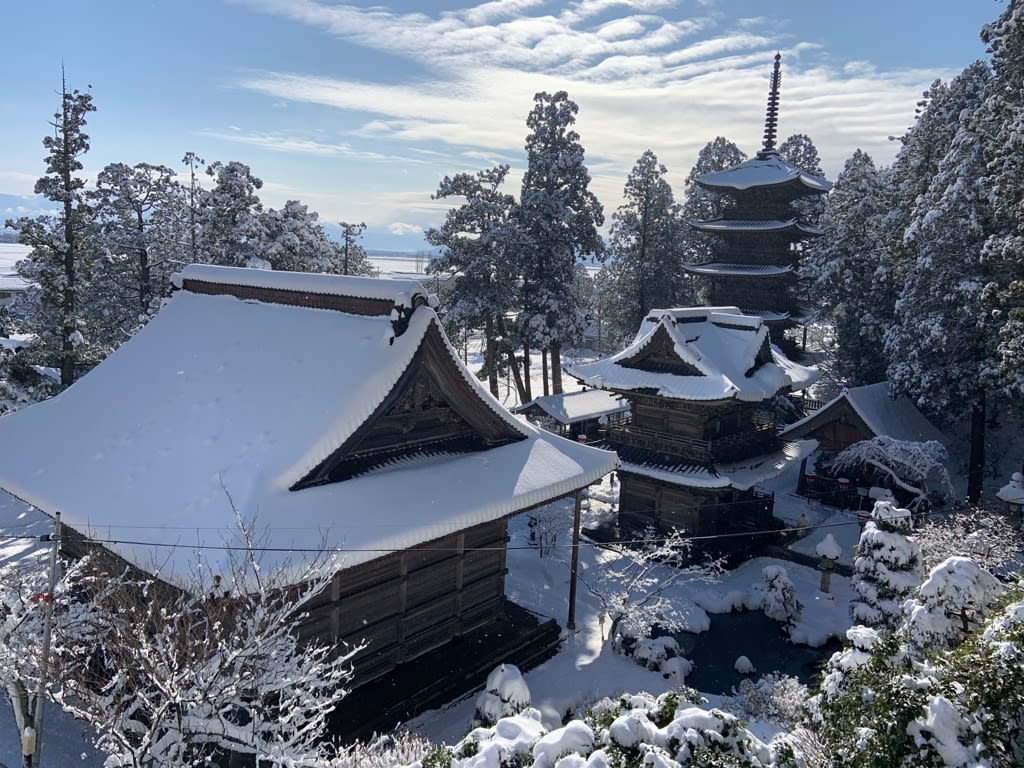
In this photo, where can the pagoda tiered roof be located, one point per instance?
(744, 270)
(702, 354)
(792, 225)
(766, 169)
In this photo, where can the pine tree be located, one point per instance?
(887, 568)
(560, 218)
(132, 206)
(296, 242)
(643, 266)
(479, 239)
(850, 272)
(231, 229)
(352, 256)
(59, 242)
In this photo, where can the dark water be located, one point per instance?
(750, 634)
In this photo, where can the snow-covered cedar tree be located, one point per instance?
(887, 567)
(296, 242)
(959, 707)
(58, 242)
(173, 677)
(559, 216)
(942, 345)
(1003, 114)
(773, 696)
(952, 600)
(778, 600)
(988, 537)
(643, 251)
(699, 204)
(479, 241)
(505, 694)
(905, 464)
(631, 585)
(850, 273)
(799, 150)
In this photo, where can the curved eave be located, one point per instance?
(738, 270)
(783, 226)
(768, 169)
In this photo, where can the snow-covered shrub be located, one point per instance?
(676, 669)
(991, 539)
(744, 666)
(775, 697)
(956, 593)
(779, 600)
(505, 694)
(887, 567)
(387, 751)
(653, 652)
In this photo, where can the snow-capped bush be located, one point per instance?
(505, 694)
(676, 669)
(779, 600)
(744, 666)
(774, 697)
(887, 568)
(653, 652)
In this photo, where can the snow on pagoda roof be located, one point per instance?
(755, 225)
(767, 169)
(221, 403)
(897, 418)
(741, 475)
(573, 407)
(715, 268)
(720, 344)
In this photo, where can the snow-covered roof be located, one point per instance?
(221, 402)
(723, 349)
(767, 169)
(897, 418)
(741, 475)
(715, 268)
(755, 225)
(572, 407)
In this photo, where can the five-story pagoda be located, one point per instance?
(760, 227)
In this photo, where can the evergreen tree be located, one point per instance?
(560, 217)
(478, 240)
(850, 272)
(699, 204)
(1003, 112)
(643, 265)
(942, 346)
(59, 242)
(352, 256)
(799, 150)
(195, 199)
(296, 242)
(140, 252)
(231, 228)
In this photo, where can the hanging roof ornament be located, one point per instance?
(771, 119)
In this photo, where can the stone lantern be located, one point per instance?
(1013, 494)
(829, 551)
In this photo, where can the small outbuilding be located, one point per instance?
(575, 414)
(861, 413)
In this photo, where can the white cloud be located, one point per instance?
(402, 229)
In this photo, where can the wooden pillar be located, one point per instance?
(574, 569)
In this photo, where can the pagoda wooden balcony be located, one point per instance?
(727, 448)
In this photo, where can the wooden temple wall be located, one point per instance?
(405, 604)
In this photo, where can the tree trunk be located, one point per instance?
(556, 367)
(491, 354)
(527, 384)
(976, 462)
(544, 370)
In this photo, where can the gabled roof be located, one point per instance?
(881, 414)
(573, 407)
(699, 353)
(222, 404)
(766, 169)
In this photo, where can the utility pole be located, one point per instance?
(44, 664)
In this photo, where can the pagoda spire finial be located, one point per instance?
(771, 119)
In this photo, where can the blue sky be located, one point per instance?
(359, 110)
